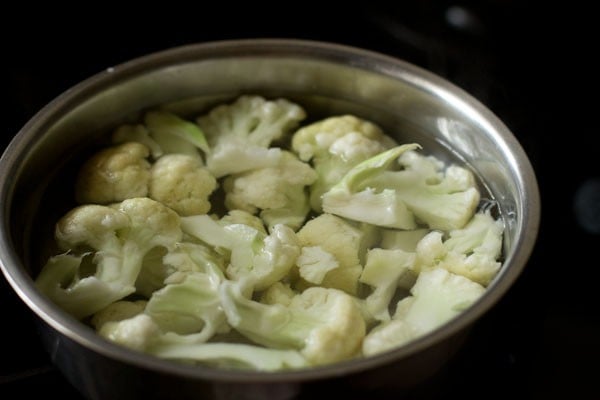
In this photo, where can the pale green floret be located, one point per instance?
(355, 198)
(441, 199)
(181, 182)
(334, 145)
(437, 297)
(189, 307)
(114, 174)
(314, 263)
(387, 336)
(137, 133)
(119, 237)
(264, 259)
(176, 135)
(240, 134)
(384, 271)
(277, 191)
(79, 297)
(472, 251)
(325, 325)
(340, 239)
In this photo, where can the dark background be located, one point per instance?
(531, 64)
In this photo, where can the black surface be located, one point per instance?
(533, 65)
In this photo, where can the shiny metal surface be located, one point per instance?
(408, 102)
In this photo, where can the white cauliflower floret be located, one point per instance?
(181, 182)
(386, 336)
(314, 263)
(262, 259)
(355, 197)
(437, 297)
(118, 237)
(385, 271)
(472, 251)
(441, 199)
(245, 218)
(342, 241)
(376, 193)
(240, 133)
(278, 191)
(325, 325)
(114, 174)
(335, 145)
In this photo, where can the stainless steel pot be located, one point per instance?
(408, 102)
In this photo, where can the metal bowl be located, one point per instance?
(408, 102)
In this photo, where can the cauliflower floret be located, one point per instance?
(375, 193)
(278, 191)
(472, 251)
(240, 133)
(182, 183)
(314, 263)
(114, 174)
(441, 199)
(354, 197)
(118, 237)
(253, 255)
(245, 218)
(343, 241)
(385, 271)
(325, 325)
(437, 297)
(335, 145)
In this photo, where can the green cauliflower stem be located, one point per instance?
(334, 145)
(278, 191)
(354, 197)
(325, 325)
(114, 174)
(181, 182)
(240, 134)
(175, 135)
